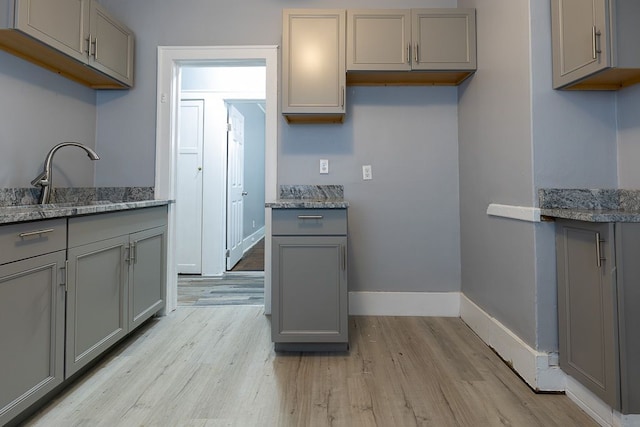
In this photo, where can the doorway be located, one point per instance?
(220, 167)
(171, 63)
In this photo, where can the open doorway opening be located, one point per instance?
(220, 183)
(172, 63)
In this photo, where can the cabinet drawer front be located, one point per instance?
(309, 222)
(26, 240)
(93, 228)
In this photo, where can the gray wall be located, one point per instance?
(39, 109)
(253, 167)
(403, 224)
(629, 137)
(517, 135)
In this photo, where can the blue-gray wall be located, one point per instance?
(39, 109)
(517, 135)
(404, 223)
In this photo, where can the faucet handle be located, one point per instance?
(40, 180)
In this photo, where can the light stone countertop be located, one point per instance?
(310, 197)
(307, 204)
(591, 205)
(15, 214)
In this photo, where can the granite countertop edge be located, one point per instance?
(307, 204)
(592, 215)
(16, 214)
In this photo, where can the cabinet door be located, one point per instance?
(147, 276)
(31, 330)
(444, 39)
(63, 25)
(580, 30)
(96, 300)
(379, 40)
(313, 57)
(587, 307)
(111, 46)
(309, 289)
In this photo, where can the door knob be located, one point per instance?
(244, 193)
(199, 168)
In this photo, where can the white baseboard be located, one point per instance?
(444, 304)
(601, 412)
(252, 239)
(538, 369)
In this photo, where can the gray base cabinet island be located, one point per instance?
(598, 299)
(309, 280)
(70, 288)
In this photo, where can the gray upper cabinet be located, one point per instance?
(62, 25)
(595, 44)
(379, 40)
(441, 42)
(75, 38)
(313, 65)
(111, 45)
(444, 39)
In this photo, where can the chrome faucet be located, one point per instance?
(44, 179)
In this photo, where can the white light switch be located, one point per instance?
(366, 172)
(324, 166)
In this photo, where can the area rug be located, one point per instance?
(230, 289)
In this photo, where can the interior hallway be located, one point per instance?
(215, 366)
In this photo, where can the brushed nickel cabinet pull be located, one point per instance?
(344, 257)
(594, 43)
(89, 45)
(132, 252)
(342, 98)
(66, 276)
(408, 53)
(35, 233)
(417, 58)
(599, 257)
(310, 216)
(95, 48)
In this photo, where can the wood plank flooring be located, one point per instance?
(243, 288)
(215, 366)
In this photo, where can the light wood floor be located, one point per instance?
(215, 366)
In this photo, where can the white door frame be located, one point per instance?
(170, 60)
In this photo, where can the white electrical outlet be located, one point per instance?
(366, 172)
(324, 166)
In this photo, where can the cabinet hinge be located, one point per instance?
(229, 127)
(227, 253)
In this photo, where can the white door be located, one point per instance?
(189, 187)
(235, 186)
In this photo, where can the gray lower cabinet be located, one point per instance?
(31, 313)
(598, 296)
(116, 279)
(96, 300)
(309, 282)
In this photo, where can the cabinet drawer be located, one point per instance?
(309, 222)
(26, 240)
(93, 228)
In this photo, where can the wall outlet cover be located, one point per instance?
(324, 166)
(366, 172)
